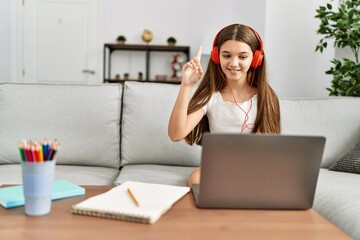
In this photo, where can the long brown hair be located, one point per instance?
(268, 110)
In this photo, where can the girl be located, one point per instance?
(234, 95)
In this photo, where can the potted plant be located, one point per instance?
(121, 39)
(171, 41)
(343, 26)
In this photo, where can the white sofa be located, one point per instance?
(112, 133)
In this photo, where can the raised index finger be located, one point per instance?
(198, 55)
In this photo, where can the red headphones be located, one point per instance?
(257, 58)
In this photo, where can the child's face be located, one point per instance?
(235, 59)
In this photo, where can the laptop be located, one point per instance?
(258, 171)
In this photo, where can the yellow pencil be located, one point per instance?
(133, 197)
(40, 152)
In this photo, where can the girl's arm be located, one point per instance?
(180, 123)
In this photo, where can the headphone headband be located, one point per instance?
(258, 54)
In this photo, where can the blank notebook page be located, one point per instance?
(154, 200)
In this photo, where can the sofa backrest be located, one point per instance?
(336, 118)
(84, 119)
(144, 140)
(147, 108)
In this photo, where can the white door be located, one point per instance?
(61, 41)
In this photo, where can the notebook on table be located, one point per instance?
(257, 171)
(146, 203)
(13, 196)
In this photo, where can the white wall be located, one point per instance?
(191, 22)
(344, 53)
(294, 67)
(288, 29)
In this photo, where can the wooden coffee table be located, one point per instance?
(182, 221)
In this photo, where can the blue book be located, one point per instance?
(13, 196)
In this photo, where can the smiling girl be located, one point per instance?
(233, 96)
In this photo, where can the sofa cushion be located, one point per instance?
(82, 175)
(146, 113)
(83, 118)
(151, 173)
(337, 198)
(350, 162)
(336, 118)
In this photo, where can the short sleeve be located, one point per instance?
(209, 104)
(205, 108)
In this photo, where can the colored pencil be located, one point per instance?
(38, 151)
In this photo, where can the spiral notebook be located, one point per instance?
(146, 202)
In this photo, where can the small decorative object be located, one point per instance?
(121, 39)
(147, 36)
(126, 76)
(171, 41)
(117, 77)
(160, 77)
(140, 76)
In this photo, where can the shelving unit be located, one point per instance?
(109, 48)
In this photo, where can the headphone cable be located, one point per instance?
(246, 118)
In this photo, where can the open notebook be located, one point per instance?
(153, 201)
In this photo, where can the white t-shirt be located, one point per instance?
(228, 117)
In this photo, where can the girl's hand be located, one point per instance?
(192, 70)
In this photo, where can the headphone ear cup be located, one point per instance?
(215, 55)
(257, 59)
